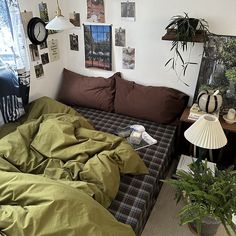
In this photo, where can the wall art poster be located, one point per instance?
(95, 11)
(128, 10)
(43, 45)
(43, 11)
(98, 47)
(218, 68)
(128, 58)
(45, 58)
(39, 70)
(34, 52)
(74, 42)
(120, 37)
(75, 19)
(53, 48)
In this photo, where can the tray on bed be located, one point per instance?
(137, 194)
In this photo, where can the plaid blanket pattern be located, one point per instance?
(137, 194)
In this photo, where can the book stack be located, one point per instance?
(195, 112)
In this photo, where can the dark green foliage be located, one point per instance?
(206, 194)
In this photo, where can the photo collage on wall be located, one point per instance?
(46, 52)
(97, 38)
(98, 45)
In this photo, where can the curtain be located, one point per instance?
(14, 63)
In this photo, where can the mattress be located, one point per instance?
(137, 194)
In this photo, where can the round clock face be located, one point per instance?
(36, 30)
(39, 31)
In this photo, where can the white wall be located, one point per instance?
(144, 35)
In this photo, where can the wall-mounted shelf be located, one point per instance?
(198, 38)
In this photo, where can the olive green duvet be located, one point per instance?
(58, 175)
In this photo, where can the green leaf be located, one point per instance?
(168, 61)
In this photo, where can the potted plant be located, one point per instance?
(185, 29)
(210, 198)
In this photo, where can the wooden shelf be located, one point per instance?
(198, 38)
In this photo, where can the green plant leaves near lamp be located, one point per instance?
(206, 194)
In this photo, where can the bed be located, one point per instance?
(129, 195)
(137, 194)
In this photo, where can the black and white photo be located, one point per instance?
(39, 72)
(128, 10)
(34, 52)
(43, 45)
(74, 42)
(128, 59)
(45, 58)
(120, 37)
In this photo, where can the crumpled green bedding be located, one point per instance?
(53, 166)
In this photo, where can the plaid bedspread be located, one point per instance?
(137, 194)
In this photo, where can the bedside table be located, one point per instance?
(225, 126)
(228, 151)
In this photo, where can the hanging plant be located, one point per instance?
(186, 29)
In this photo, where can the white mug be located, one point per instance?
(231, 114)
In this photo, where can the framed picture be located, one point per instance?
(98, 48)
(218, 69)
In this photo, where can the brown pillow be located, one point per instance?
(94, 92)
(159, 104)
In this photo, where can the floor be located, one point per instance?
(164, 221)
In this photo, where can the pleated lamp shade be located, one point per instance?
(206, 132)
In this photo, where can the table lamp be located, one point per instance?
(206, 133)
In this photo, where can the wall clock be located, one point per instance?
(36, 31)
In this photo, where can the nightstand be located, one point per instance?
(225, 126)
(224, 157)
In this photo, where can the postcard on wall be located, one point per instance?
(128, 10)
(45, 58)
(75, 19)
(74, 42)
(43, 45)
(26, 16)
(53, 48)
(95, 11)
(120, 37)
(39, 70)
(128, 58)
(43, 11)
(34, 52)
(98, 47)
